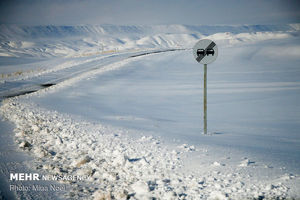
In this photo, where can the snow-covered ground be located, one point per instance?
(133, 124)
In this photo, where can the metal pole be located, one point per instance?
(205, 99)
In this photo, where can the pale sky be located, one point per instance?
(143, 12)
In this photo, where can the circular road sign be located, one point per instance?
(205, 51)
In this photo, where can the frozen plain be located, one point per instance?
(135, 125)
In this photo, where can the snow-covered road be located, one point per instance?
(53, 71)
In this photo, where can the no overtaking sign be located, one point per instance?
(205, 51)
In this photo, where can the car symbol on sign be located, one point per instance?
(204, 52)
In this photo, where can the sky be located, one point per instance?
(149, 12)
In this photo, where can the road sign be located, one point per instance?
(205, 51)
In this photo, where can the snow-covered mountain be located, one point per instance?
(48, 41)
(33, 32)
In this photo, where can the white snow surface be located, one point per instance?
(134, 125)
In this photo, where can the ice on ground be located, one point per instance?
(246, 163)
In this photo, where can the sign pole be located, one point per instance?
(205, 51)
(205, 99)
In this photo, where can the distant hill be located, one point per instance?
(45, 41)
(21, 31)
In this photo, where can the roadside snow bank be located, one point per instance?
(123, 167)
(116, 165)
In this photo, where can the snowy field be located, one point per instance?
(133, 124)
